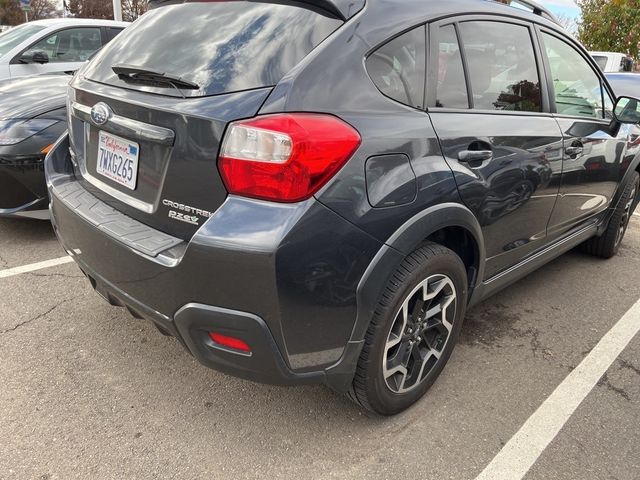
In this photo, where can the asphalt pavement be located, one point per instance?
(87, 391)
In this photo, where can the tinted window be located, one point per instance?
(502, 66)
(71, 45)
(601, 61)
(221, 46)
(452, 88)
(112, 33)
(398, 68)
(578, 90)
(14, 37)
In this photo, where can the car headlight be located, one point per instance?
(16, 131)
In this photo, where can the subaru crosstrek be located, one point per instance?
(316, 191)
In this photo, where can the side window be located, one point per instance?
(112, 33)
(502, 66)
(398, 68)
(578, 90)
(71, 45)
(451, 91)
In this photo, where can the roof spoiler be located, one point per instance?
(344, 9)
(534, 7)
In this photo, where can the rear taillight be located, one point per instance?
(285, 157)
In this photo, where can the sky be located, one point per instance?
(563, 7)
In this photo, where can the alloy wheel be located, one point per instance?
(419, 334)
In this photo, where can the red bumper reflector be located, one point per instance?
(230, 342)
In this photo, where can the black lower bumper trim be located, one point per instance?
(264, 363)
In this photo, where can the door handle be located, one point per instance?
(475, 156)
(574, 150)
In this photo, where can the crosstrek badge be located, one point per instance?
(187, 213)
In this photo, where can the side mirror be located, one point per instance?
(627, 110)
(35, 56)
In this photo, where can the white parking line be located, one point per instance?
(525, 447)
(10, 272)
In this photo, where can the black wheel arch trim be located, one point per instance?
(404, 241)
(371, 287)
(634, 166)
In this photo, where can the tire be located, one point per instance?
(608, 244)
(380, 384)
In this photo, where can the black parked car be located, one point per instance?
(33, 115)
(316, 191)
(627, 84)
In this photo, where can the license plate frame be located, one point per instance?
(118, 159)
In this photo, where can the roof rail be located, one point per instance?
(535, 7)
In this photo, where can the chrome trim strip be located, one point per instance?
(127, 127)
(117, 194)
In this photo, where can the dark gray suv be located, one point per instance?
(316, 191)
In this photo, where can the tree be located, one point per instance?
(102, 9)
(11, 13)
(611, 26)
(132, 9)
(42, 9)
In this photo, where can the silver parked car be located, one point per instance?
(56, 45)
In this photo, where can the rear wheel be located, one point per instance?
(608, 244)
(413, 332)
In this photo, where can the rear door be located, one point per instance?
(595, 147)
(490, 111)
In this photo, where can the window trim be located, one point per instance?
(16, 59)
(432, 64)
(540, 31)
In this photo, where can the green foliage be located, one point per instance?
(611, 26)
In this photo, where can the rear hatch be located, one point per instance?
(147, 143)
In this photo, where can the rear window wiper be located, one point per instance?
(132, 73)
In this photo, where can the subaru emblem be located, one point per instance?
(100, 113)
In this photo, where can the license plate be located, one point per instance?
(118, 159)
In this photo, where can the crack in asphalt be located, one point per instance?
(605, 382)
(63, 275)
(3, 263)
(629, 366)
(37, 317)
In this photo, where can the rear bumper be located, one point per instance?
(283, 278)
(23, 190)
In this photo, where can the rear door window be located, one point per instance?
(398, 67)
(221, 46)
(502, 66)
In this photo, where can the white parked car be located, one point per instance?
(56, 45)
(611, 62)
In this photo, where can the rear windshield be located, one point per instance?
(220, 46)
(14, 37)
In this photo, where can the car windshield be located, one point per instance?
(15, 36)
